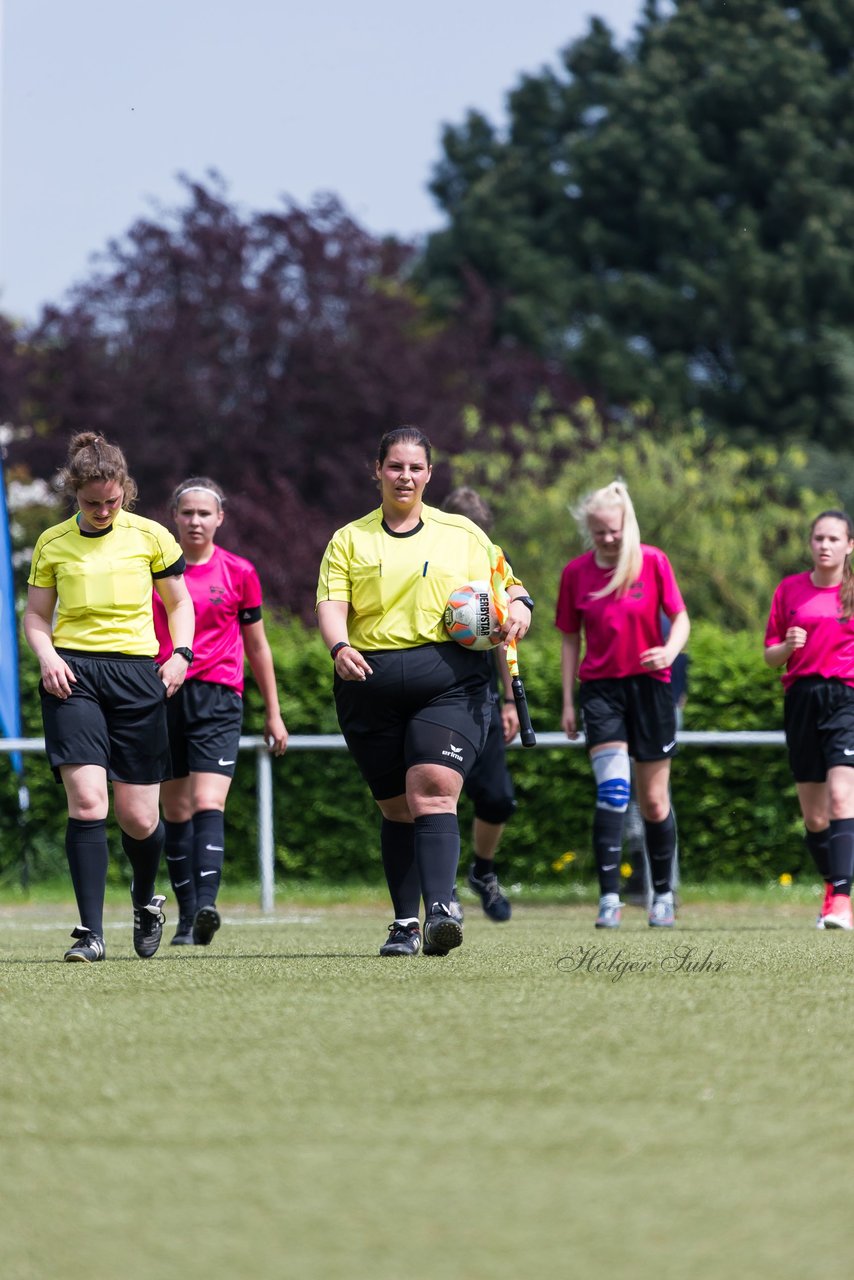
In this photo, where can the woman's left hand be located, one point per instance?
(275, 735)
(517, 624)
(173, 673)
(656, 659)
(509, 720)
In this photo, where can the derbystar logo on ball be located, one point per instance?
(470, 616)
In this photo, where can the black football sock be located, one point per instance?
(208, 854)
(818, 843)
(437, 853)
(88, 857)
(841, 854)
(483, 867)
(607, 848)
(661, 847)
(397, 844)
(178, 847)
(144, 858)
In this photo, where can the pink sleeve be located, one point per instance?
(775, 632)
(250, 593)
(566, 615)
(671, 597)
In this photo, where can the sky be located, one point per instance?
(103, 103)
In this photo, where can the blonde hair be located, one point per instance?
(614, 497)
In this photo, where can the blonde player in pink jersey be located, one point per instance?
(205, 722)
(615, 595)
(811, 632)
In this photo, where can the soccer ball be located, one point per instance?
(470, 616)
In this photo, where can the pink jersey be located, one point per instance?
(829, 648)
(226, 595)
(617, 629)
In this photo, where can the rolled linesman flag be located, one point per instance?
(10, 696)
(498, 572)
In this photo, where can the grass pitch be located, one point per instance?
(548, 1100)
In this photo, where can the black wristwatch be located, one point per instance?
(186, 654)
(525, 600)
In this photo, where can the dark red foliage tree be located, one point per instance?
(271, 353)
(11, 373)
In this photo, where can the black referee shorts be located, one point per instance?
(489, 785)
(818, 717)
(637, 710)
(204, 728)
(115, 717)
(427, 705)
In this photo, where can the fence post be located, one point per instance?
(264, 774)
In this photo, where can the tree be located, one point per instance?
(11, 372)
(675, 221)
(265, 351)
(271, 352)
(733, 521)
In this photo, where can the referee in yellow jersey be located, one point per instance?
(89, 621)
(412, 704)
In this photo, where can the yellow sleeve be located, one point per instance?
(334, 579)
(167, 550)
(42, 573)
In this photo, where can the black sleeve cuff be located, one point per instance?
(174, 570)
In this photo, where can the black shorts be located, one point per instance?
(637, 710)
(204, 728)
(427, 705)
(115, 717)
(818, 716)
(489, 785)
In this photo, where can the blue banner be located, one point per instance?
(10, 695)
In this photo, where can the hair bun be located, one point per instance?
(83, 440)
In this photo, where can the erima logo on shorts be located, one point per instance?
(455, 752)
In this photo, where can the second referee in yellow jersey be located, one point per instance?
(413, 705)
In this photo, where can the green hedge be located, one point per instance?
(737, 810)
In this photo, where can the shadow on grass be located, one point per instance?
(209, 959)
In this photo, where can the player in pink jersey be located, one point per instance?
(811, 632)
(205, 722)
(615, 594)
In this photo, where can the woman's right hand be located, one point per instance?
(570, 725)
(57, 676)
(350, 665)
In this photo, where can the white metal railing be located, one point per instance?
(334, 742)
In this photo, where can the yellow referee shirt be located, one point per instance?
(103, 582)
(397, 584)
